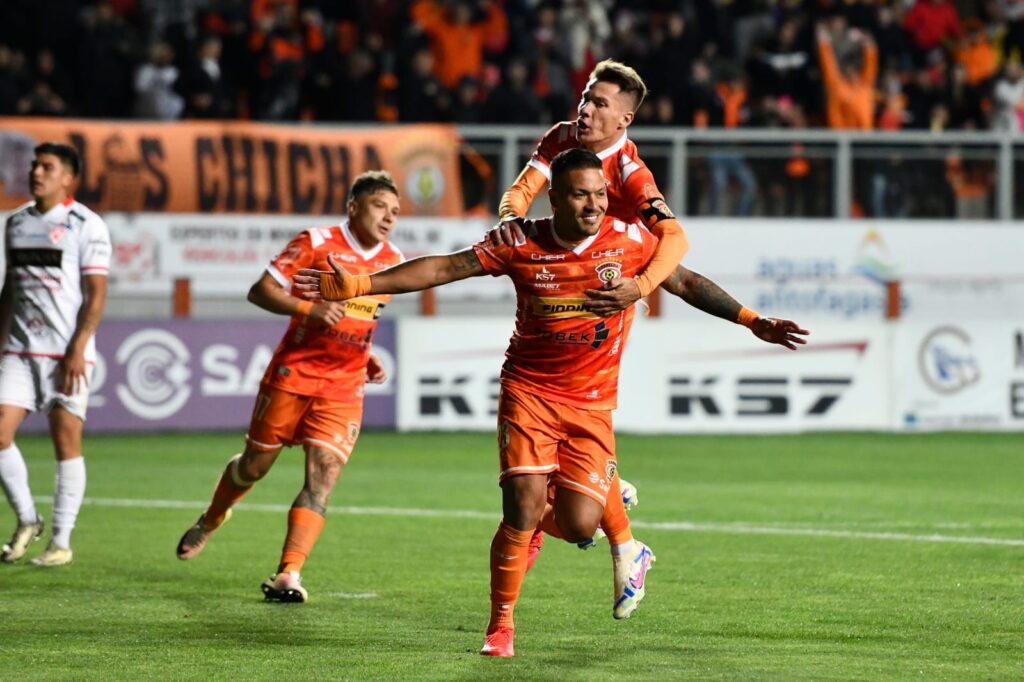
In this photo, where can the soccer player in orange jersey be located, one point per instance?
(560, 380)
(312, 392)
(606, 109)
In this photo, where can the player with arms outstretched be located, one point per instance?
(312, 392)
(606, 109)
(559, 382)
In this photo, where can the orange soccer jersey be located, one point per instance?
(559, 350)
(631, 186)
(314, 359)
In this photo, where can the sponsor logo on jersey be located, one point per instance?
(559, 308)
(592, 337)
(609, 271)
(363, 308)
(47, 258)
(544, 275)
(547, 285)
(345, 257)
(547, 256)
(607, 253)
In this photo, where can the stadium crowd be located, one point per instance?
(864, 64)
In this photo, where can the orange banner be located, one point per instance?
(236, 167)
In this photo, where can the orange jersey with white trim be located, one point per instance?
(632, 192)
(314, 359)
(559, 350)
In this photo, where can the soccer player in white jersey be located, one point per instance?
(58, 257)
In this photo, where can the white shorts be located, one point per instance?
(31, 382)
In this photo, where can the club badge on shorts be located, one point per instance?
(609, 470)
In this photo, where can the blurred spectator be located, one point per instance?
(1012, 12)
(849, 89)
(420, 95)
(104, 65)
(11, 81)
(41, 100)
(514, 101)
(204, 88)
(931, 24)
(467, 106)
(1008, 99)
(279, 44)
(47, 71)
(458, 34)
(780, 68)
(977, 57)
(584, 27)
(553, 83)
(155, 80)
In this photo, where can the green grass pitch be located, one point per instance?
(828, 556)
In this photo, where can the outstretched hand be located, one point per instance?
(375, 372)
(317, 285)
(615, 297)
(782, 332)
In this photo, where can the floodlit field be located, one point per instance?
(812, 557)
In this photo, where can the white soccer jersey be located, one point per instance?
(47, 255)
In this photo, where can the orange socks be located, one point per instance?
(508, 566)
(304, 526)
(614, 522)
(230, 489)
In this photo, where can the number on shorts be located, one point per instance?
(262, 403)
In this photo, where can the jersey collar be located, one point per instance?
(575, 248)
(604, 154)
(354, 244)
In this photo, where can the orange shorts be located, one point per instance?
(576, 447)
(281, 418)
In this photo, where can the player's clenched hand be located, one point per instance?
(72, 369)
(783, 332)
(615, 297)
(508, 232)
(375, 373)
(328, 312)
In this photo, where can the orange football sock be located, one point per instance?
(547, 523)
(614, 522)
(304, 526)
(227, 493)
(508, 566)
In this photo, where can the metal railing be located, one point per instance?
(905, 174)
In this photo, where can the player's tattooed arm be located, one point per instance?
(702, 293)
(464, 264)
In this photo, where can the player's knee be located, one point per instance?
(325, 472)
(576, 529)
(251, 469)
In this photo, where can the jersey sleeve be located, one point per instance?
(557, 139)
(642, 191)
(95, 247)
(494, 259)
(296, 255)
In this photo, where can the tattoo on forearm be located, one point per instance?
(703, 294)
(466, 263)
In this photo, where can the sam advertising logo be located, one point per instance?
(156, 374)
(946, 361)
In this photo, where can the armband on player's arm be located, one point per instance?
(672, 244)
(516, 200)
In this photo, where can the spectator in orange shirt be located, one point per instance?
(976, 54)
(849, 91)
(457, 40)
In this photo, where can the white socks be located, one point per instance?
(14, 477)
(68, 493)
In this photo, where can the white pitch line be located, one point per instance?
(683, 526)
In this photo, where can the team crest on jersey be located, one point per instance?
(609, 271)
(609, 469)
(57, 233)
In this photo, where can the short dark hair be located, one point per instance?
(626, 77)
(372, 181)
(66, 153)
(576, 158)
